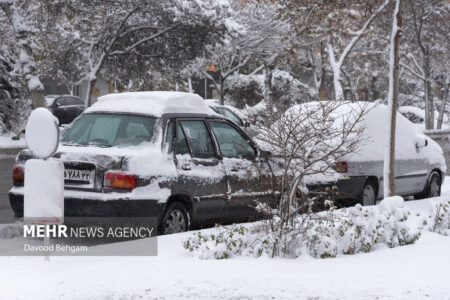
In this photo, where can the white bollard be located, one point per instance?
(44, 179)
(44, 191)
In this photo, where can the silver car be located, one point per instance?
(419, 166)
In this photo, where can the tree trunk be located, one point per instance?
(389, 161)
(443, 103)
(429, 104)
(29, 70)
(268, 85)
(90, 86)
(190, 85)
(221, 86)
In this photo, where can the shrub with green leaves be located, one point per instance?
(323, 235)
(225, 242)
(439, 218)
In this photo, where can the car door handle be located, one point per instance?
(186, 166)
(234, 169)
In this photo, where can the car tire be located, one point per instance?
(432, 188)
(176, 219)
(368, 195)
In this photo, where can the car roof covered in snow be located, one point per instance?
(155, 103)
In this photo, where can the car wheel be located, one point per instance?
(433, 187)
(176, 219)
(368, 194)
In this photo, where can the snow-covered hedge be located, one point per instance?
(327, 234)
(439, 219)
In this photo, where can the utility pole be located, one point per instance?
(389, 155)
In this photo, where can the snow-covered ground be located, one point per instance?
(6, 141)
(418, 271)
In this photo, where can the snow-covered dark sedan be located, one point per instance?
(65, 107)
(157, 154)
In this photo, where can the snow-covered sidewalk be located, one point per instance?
(416, 271)
(6, 142)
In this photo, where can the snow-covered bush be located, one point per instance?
(14, 114)
(439, 218)
(224, 243)
(361, 229)
(322, 235)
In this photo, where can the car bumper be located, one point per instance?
(347, 189)
(89, 204)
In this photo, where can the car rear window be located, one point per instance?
(107, 130)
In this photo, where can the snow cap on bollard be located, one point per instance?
(42, 133)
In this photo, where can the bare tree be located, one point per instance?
(257, 33)
(426, 56)
(337, 62)
(444, 98)
(305, 140)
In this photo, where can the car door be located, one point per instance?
(249, 178)
(59, 108)
(412, 176)
(200, 172)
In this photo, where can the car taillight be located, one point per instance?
(119, 179)
(18, 173)
(341, 167)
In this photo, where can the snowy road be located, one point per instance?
(419, 271)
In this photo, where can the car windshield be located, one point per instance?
(107, 130)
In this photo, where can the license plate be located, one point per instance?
(77, 175)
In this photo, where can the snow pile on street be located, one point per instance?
(344, 231)
(151, 103)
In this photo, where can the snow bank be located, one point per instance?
(152, 103)
(390, 204)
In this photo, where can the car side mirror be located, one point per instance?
(246, 124)
(266, 154)
(419, 145)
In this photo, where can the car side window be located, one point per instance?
(181, 146)
(60, 102)
(231, 142)
(73, 101)
(230, 115)
(198, 137)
